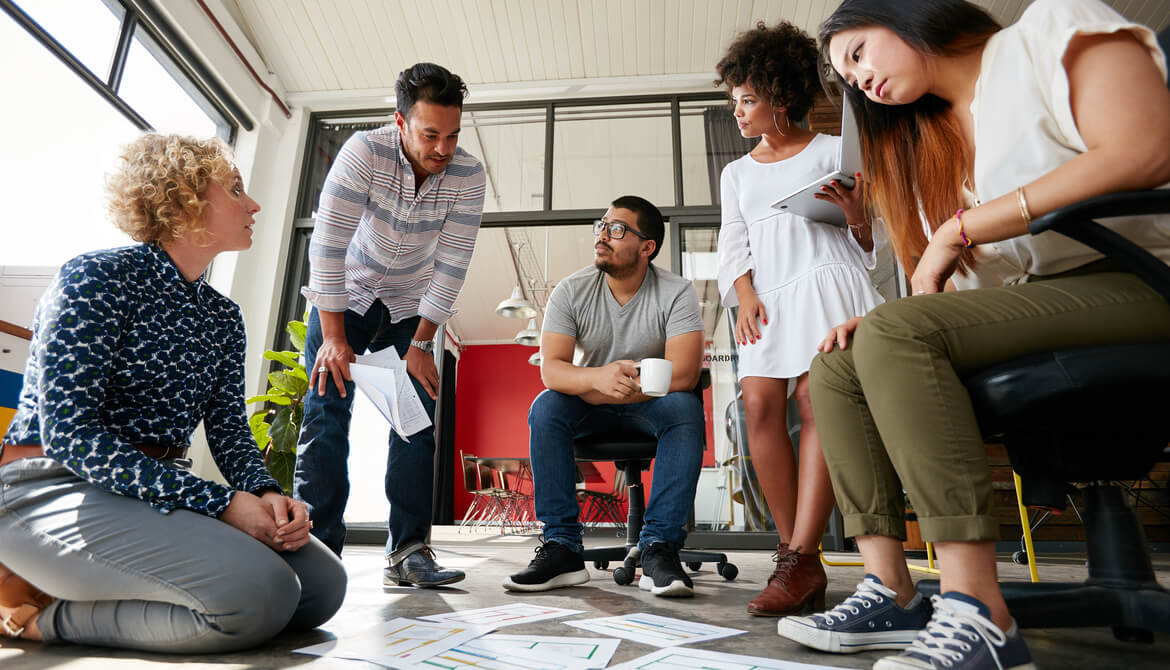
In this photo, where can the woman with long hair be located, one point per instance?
(969, 131)
(792, 278)
(106, 537)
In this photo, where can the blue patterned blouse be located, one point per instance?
(126, 351)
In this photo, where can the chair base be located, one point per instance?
(630, 558)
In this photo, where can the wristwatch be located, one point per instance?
(426, 345)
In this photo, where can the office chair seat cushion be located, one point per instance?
(1077, 415)
(615, 447)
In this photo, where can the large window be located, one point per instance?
(82, 78)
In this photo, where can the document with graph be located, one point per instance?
(658, 631)
(701, 659)
(502, 615)
(401, 643)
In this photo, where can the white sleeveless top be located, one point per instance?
(1024, 128)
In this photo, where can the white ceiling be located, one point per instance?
(322, 46)
(331, 54)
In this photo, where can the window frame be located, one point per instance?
(173, 53)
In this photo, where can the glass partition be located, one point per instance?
(600, 152)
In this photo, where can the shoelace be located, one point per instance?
(951, 631)
(867, 595)
(543, 553)
(785, 560)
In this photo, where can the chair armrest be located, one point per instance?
(1076, 221)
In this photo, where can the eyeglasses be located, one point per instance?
(616, 230)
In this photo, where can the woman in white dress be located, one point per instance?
(791, 278)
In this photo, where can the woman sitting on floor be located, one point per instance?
(975, 129)
(106, 538)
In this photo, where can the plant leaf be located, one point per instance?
(297, 331)
(288, 384)
(283, 432)
(281, 465)
(288, 358)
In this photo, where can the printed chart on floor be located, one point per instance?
(470, 657)
(658, 631)
(592, 652)
(502, 615)
(701, 659)
(401, 643)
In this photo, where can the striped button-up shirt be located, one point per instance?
(375, 238)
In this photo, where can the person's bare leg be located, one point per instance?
(969, 568)
(765, 403)
(814, 490)
(885, 559)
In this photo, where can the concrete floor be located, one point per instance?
(489, 558)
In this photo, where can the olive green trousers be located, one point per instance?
(892, 411)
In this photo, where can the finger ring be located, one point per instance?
(322, 369)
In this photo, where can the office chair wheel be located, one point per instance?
(1127, 634)
(623, 575)
(694, 566)
(601, 565)
(1020, 558)
(727, 571)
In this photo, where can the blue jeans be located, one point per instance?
(676, 419)
(321, 479)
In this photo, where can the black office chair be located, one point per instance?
(1089, 416)
(632, 453)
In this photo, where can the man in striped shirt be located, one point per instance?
(394, 233)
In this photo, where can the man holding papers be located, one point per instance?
(393, 237)
(619, 311)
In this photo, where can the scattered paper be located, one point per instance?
(472, 656)
(658, 631)
(701, 659)
(592, 652)
(503, 615)
(383, 377)
(401, 643)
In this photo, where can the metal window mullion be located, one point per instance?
(676, 141)
(549, 116)
(121, 51)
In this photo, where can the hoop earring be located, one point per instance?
(787, 124)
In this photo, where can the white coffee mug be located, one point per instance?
(655, 376)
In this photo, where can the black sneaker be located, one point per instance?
(662, 573)
(554, 567)
(869, 619)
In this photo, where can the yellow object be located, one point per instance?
(931, 570)
(6, 414)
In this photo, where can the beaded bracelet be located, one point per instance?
(963, 236)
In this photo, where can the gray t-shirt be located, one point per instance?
(583, 307)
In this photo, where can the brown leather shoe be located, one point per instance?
(26, 599)
(797, 585)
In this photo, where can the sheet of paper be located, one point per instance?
(701, 659)
(383, 377)
(401, 643)
(503, 615)
(473, 656)
(658, 631)
(593, 652)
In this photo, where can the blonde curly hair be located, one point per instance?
(156, 191)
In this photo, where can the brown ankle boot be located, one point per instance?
(26, 599)
(797, 585)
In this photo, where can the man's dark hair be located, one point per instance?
(649, 219)
(432, 83)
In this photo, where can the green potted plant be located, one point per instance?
(277, 423)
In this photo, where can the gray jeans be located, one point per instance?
(126, 576)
